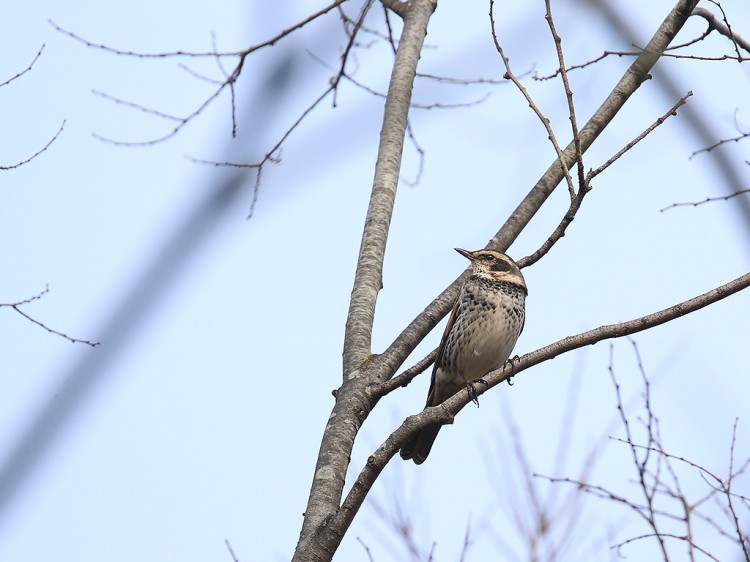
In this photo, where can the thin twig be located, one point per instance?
(648, 512)
(229, 82)
(661, 536)
(421, 155)
(445, 412)
(575, 204)
(706, 200)
(231, 552)
(460, 81)
(741, 538)
(17, 307)
(408, 375)
(415, 105)
(568, 95)
(545, 121)
(397, 6)
(672, 112)
(25, 70)
(139, 107)
(719, 143)
(179, 53)
(604, 55)
(38, 152)
(722, 28)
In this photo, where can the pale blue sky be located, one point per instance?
(205, 424)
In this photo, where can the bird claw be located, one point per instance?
(473, 391)
(512, 369)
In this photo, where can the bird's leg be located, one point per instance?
(512, 369)
(471, 389)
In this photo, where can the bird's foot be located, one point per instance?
(512, 362)
(473, 391)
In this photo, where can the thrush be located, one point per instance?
(482, 330)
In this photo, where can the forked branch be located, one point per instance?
(319, 539)
(16, 306)
(636, 74)
(445, 412)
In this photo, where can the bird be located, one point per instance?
(482, 330)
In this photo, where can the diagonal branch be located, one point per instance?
(723, 29)
(25, 70)
(636, 74)
(543, 118)
(17, 307)
(445, 412)
(575, 204)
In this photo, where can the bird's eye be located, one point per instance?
(487, 257)
(500, 265)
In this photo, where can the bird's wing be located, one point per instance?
(441, 349)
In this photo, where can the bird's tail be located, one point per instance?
(418, 447)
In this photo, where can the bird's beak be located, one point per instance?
(465, 253)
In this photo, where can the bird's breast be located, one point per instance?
(487, 326)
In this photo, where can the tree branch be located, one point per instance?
(445, 412)
(575, 204)
(397, 6)
(368, 277)
(722, 28)
(17, 307)
(25, 70)
(636, 74)
(319, 539)
(38, 152)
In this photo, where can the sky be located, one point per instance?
(198, 418)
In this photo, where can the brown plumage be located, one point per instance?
(482, 330)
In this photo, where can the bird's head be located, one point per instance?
(494, 265)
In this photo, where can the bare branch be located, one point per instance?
(569, 97)
(661, 536)
(650, 460)
(231, 552)
(545, 121)
(319, 534)
(741, 538)
(742, 136)
(179, 53)
(672, 112)
(706, 200)
(604, 55)
(367, 549)
(420, 154)
(648, 512)
(723, 28)
(397, 6)
(461, 81)
(636, 74)
(25, 70)
(368, 276)
(408, 375)
(445, 412)
(713, 25)
(272, 155)
(38, 152)
(369, 90)
(559, 231)
(139, 107)
(17, 307)
(575, 204)
(228, 82)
